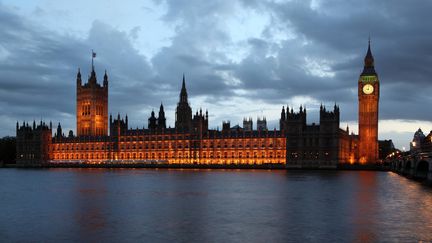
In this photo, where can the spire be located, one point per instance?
(183, 85)
(369, 62)
(59, 131)
(161, 108)
(283, 113)
(105, 82)
(369, 58)
(161, 118)
(183, 92)
(79, 77)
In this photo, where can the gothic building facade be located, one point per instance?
(316, 145)
(295, 144)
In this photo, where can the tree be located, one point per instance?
(7, 150)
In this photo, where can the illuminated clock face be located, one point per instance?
(368, 89)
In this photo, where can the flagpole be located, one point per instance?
(92, 60)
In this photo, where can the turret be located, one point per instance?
(59, 131)
(226, 126)
(296, 120)
(105, 82)
(329, 120)
(282, 119)
(161, 122)
(152, 121)
(183, 112)
(118, 126)
(183, 92)
(247, 124)
(262, 124)
(79, 81)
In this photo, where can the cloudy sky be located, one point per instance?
(241, 58)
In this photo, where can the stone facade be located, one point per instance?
(296, 144)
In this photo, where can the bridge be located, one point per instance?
(414, 165)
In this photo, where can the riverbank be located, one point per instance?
(372, 167)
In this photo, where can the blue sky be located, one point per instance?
(241, 58)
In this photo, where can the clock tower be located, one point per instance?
(368, 94)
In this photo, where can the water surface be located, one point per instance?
(137, 205)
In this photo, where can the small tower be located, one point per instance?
(200, 122)
(262, 124)
(282, 120)
(161, 122)
(226, 126)
(59, 131)
(79, 81)
(118, 126)
(152, 121)
(247, 124)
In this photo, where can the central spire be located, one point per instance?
(183, 111)
(183, 92)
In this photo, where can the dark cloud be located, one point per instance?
(320, 56)
(37, 74)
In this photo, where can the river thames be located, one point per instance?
(151, 205)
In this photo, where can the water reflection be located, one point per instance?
(212, 205)
(365, 207)
(90, 203)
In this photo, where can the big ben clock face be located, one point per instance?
(368, 89)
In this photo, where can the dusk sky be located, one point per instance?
(244, 58)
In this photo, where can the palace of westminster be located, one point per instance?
(101, 138)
